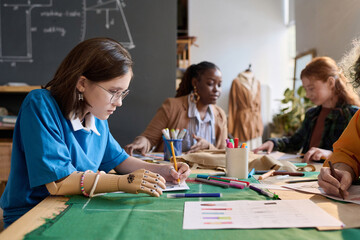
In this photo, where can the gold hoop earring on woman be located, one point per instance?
(195, 97)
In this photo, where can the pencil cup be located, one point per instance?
(237, 162)
(167, 148)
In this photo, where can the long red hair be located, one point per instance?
(321, 68)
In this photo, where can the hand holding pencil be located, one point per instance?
(182, 170)
(336, 181)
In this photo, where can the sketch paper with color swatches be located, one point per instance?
(246, 214)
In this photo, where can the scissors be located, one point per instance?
(307, 168)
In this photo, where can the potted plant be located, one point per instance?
(292, 113)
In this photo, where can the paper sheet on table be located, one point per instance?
(313, 187)
(176, 187)
(245, 214)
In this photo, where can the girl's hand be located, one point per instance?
(331, 185)
(200, 145)
(316, 154)
(267, 146)
(182, 173)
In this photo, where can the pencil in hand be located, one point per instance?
(174, 158)
(333, 173)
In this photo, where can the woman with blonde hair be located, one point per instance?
(328, 88)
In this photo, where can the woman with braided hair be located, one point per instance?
(193, 108)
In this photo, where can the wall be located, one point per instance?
(234, 33)
(154, 24)
(326, 25)
(35, 37)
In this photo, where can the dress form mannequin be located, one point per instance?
(244, 121)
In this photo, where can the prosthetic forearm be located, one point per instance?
(82, 182)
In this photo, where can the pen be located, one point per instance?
(212, 183)
(265, 171)
(172, 133)
(236, 142)
(167, 132)
(265, 193)
(224, 179)
(302, 180)
(289, 173)
(231, 183)
(251, 173)
(182, 134)
(207, 176)
(181, 195)
(166, 135)
(333, 173)
(177, 133)
(230, 145)
(266, 175)
(174, 158)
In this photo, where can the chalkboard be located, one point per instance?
(35, 36)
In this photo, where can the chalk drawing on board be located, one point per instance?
(45, 20)
(21, 10)
(112, 12)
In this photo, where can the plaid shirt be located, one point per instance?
(335, 123)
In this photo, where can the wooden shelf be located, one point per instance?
(183, 51)
(18, 89)
(11, 93)
(7, 127)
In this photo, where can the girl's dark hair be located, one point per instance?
(321, 68)
(193, 71)
(97, 59)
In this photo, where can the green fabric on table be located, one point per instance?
(128, 216)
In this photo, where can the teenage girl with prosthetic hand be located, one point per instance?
(346, 156)
(62, 144)
(193, 108)
(336, 101)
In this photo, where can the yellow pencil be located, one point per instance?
(174, 158)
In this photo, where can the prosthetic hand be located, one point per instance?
(138, 181)
(142, 181)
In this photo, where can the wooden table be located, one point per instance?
(47, 208)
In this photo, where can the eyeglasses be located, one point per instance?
(115, 95)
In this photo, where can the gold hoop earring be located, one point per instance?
(195, 97)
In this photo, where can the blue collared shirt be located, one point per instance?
(48, 147)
